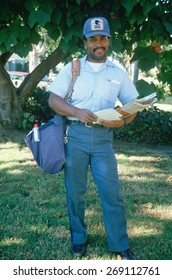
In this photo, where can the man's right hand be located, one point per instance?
(85, 116)
(60, 106)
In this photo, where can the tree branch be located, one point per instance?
(39, 72)
(4, 57)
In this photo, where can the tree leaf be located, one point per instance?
(48, 6)
(148, 6)
(146, 63)
(53, 31)
(93, 2)
(23, 33)
(144, 88)
(22, 49)
(39, 17)
(117, 45)
(146, 57)
(31, 118)
(56, 16)
(35, 37)
(11, 41)
(129, 5)
(3, 36)
(168, 27)
(78, 2)
(69, 21)
(165, 77)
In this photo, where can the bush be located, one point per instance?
(152, 126)
(36, 109)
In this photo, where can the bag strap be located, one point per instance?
(75, 74)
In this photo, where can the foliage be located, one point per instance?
(136, 26)
(156, 125)
(159, 59)
(36, 109)
(21, 27)
(151, 126)
(165, 64)
(144, 88)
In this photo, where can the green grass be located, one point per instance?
(33, 214)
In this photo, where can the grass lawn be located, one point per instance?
(33, 214)
(166, 104)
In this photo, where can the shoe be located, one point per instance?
(126, 255)
(78, 250)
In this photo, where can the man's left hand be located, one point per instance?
(119, 123)
(112, 124)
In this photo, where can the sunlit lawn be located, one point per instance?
(33, 215)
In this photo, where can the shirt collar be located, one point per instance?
(107, 62)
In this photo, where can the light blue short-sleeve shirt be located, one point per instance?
(95, 90)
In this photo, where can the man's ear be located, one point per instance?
(85, 43)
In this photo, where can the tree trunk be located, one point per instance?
(12, 99)
(135, 71)
(10, 109)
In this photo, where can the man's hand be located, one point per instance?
(126, 119)
(60, 106)
(85, 116)
(112, 124)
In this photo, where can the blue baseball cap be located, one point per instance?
(96, 26)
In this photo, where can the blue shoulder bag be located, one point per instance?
(49, 152)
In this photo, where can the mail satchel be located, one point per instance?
(48, 149)
(49, 152)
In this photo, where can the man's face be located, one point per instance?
(97, 47)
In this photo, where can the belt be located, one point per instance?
(89, 124)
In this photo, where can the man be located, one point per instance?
(97, 87)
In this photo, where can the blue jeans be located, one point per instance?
(93, 147)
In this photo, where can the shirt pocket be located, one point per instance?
(112, 93)
(81, 90)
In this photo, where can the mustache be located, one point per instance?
(97, 48)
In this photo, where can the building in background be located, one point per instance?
(17, 63)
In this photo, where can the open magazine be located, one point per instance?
(132, 107)
(138, 105)
(108, 115)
